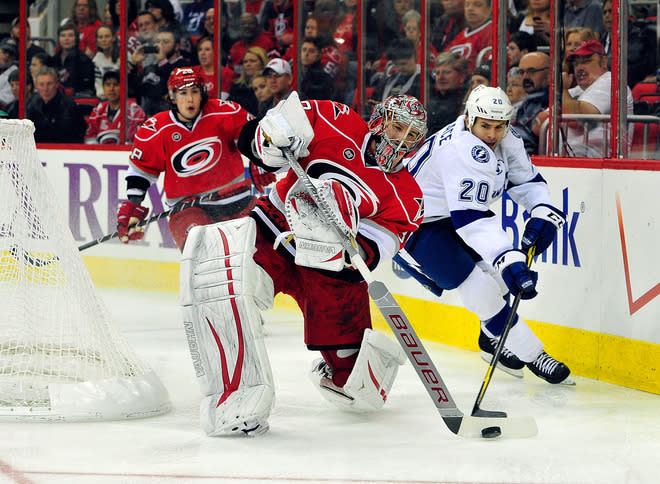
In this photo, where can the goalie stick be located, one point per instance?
(456, 421)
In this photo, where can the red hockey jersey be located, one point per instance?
(469, 44)
(101, 129)
(390, 205)
(194, 160)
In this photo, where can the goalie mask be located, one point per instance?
(490, 103)
(399, 125)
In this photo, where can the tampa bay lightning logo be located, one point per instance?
(197, 157)
(480, 154)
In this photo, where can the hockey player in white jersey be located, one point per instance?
(462, 170)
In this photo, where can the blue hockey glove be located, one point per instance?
(517, 276)
(541, 228)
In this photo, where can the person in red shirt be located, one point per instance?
(250, 36)
(356, 168)
(205, 69)
(104, 123)
(194, 145)
(477, 35)
(84, 15)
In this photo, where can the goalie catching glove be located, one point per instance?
(318, 244)
(284, 126)
(541, 228)
(128, 216)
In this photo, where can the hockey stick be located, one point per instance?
(456, 421)
(236, 188)
(476, 411)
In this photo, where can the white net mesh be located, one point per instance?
(60, 354)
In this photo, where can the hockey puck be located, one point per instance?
(491, 432)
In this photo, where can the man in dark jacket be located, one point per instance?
(535, 70)
(316, 83)
(55, 115)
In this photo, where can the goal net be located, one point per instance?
(61, 356)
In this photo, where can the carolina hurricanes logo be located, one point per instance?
(197, 157)
(365, 199)
(108, 137)
(339, 109)
(464, 50)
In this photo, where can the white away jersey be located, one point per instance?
(460, 177)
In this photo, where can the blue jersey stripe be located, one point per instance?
(461, 218)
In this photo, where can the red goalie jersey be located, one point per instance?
(390, 205)
(198, 159)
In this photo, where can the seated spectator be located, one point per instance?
(393, 20)
(316, 83)
(15, 34)
(39, 60)
(84, 15)
(151, 81)
(346, 32)
(250, 35)
(277, 22)
(14, 81)
(131, 16)
(448, 25)
(259, 85)
(412, 27)
(535, 70)
(75, 69)
(166, 19)
(478, 33)
(537, 21)
(514, 89)
(253, 62)
(642, 49)
(104, 123)
(480, 76)
(208, 29)
(445, 99)
(592, 95)
(206, 70)
(55, 115)
(584, 13)
(147, 28)
(279, 76)
(520, 43)
(106, 58)
(574, 37)
(403, 77)
(7, 66)
(193, 16)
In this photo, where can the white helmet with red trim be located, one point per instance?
(408, 113)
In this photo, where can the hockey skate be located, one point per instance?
(321, 376)
(551, 370)
(508, 362)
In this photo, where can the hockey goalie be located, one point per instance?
(231, 270)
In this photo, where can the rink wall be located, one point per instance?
(599, 283)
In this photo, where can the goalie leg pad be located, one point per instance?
(222, 290)
(371, 379)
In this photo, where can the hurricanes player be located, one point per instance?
(231, 270)
(194, 144)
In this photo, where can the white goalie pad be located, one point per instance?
(371, 380)
(222, 290)
(318, 244)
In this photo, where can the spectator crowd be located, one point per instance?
(77, 83)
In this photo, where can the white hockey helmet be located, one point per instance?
(407, 110)
(488, 103)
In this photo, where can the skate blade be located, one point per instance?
(568, 381)
(487, 357)
(509, 427)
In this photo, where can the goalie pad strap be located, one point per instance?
(222, 289)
